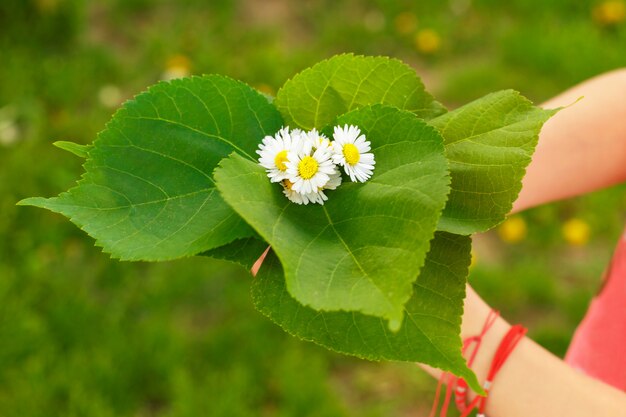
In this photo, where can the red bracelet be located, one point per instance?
(507, 345)
(460, 384)
(460, 393)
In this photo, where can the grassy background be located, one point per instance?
(82, 335)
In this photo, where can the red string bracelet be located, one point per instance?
(507, 345)
(460, 391)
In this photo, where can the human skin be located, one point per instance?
(581, 149)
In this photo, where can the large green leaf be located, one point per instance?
(363, 249)
(430, 333)
(244, 252)
(314, 97)
(489, 143)
(148, 191)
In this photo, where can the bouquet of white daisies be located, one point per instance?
(308, 163)
(379, 271)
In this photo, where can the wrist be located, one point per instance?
(487, 352)
(488, 341)
(476, 314)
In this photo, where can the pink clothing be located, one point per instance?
(599, 344)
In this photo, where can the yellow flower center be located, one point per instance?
(279, 161)
(287, 184)
(351, 153)
(308, 167)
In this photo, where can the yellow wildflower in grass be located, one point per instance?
(405, 23)
(576, 232)
(610, 12)
(177, 66)
(513, 229)
(427, 41)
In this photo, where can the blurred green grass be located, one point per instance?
(82, 335)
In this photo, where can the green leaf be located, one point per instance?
(363, 249)
(489, 143)
(244, 252)
(432, 326)
(81, 151)
(317, 95)
(148, 191)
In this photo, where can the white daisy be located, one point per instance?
(309, 170)
(318, 140)
(334, 181)
(297, 136)
(274, 150)
(295, 197)
(352, 152)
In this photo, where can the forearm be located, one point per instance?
(583, 147)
